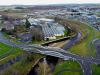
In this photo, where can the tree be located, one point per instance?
(27, 23)
(3, 30)
(65, 32)
(37, 34)
(18, 29)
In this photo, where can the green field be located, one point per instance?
(96, 69)
(85, 47)
(21, 67)
(7, 52)
(4, 48)
(70, 73)
(62, 67)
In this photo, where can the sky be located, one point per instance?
(44, 2)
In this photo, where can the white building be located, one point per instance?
(50, 29)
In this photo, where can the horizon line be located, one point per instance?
(45, 4)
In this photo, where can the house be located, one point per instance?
(7, 25)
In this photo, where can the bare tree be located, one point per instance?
(37, 34)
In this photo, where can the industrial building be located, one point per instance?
(50, 29)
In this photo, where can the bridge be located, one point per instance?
(57, 52)
(65, 55)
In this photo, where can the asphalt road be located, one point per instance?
(72, 42)
(84, 62)
(96, 44)
(86, 66)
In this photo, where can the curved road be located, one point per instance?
(72, 41)
(84, 62)
(96, 44)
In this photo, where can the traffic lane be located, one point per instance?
(96, 44)
(86, 67)
(72, 42)
(73, 56)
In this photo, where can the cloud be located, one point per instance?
(37, 2)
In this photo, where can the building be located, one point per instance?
(7, 25)
(50, 29)
(26, 37)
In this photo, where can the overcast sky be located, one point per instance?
(42, 2)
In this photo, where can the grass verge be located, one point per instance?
(96, 69)
(63, 67)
